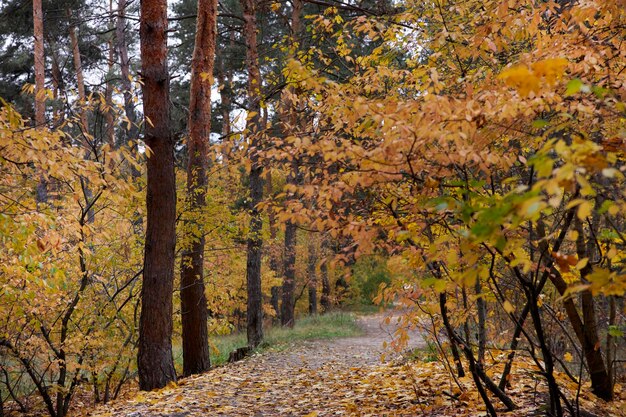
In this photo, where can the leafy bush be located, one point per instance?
(368, 274)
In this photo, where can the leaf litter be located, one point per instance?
(344, 377)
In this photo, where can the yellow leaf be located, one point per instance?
(551, 69)
(508, 307)
(568, 357)
(584, 210)
(520, 78)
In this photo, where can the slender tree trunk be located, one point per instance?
(192, 298)
(325, 298)
(57, 86)
(254, 312)
(40, 102)
(290, 128)
(40, 98)
(601, 384)
(610, 344)
(225, 82)
(289, 276)
(481, 307)
(556, 408)
(312, 276)
(130, 124)
(109, 133)
(80, 79)
(273, 250)
(154, 360)
(82, 111)
(479, 386)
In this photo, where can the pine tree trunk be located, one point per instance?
(57, 87)
(273, 250)
(154, 360)
(325, 298)
(109, 133)
(40, 101)
(289, 251)
(40, 105)
(80, 79)
(131, 132)
(225, 82)
(289, 276)
(312, 276)
(192, 298)
(254, 313)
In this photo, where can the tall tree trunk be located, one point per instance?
(312, 276)
(57, 87)
(109, 133)
(254, 312)
(481, 308)
(601, 385)
(130, 127)
(290, 111)
(273, 250)
(40, 98)
(80, 79)
(82, 111)
(225, 82)
(192, 298)
(40, 102)
(154, 360)
(289, 276)
(325, 298)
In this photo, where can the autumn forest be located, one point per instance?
(312, 208)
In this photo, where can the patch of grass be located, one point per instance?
(362, 308)
(428, 353)
(327, 326)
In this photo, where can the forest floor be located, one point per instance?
(352, 376)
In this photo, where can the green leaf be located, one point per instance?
(573, 87)
(615, 331)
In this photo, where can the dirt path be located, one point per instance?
(314, 378)
(350, 352)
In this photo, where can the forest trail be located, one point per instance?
(312, 378)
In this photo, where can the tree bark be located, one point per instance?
(40, 98)
(312, 276)
(254, 313)
(289, 276)
(290, 128)
(109, 133)
(80, 79)
(601, 385)
(481, 308)
(325, 298)
(131, 131)
(40, 105)
(154, 360)
(193, 302)
(273, 250)
(225, 81)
